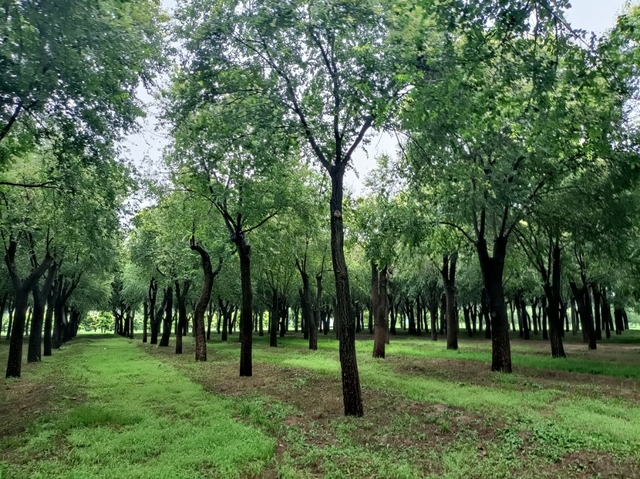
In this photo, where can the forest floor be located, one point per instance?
(109, 407)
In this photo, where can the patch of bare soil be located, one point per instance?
(20, 402)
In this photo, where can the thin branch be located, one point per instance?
(249, 230)
(461, 230)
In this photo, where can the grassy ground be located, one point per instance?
(110, 407)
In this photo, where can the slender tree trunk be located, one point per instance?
(433, 312)
(168, 319)
(449, 280)
(273, 321)
(380, 330)
(145, 320)
(351, 391)
(246, 335)
(596, 305)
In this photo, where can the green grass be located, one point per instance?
(135, 417)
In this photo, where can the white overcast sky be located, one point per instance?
(145, 149)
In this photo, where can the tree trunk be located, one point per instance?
(375, 292)
(14, 363)
(168, 319)
(492, 272)
(152, 295)
(351, 391)
(181, 297)
(246, 335)
(225, 313)
(273, 321)
(145, 319)
(433, 312)
(380, 331)
(597, 308)
(584, 309)
(449, 279)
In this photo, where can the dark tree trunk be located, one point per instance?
(375, 292)
(380, 331)
(492, 272)
(351, 391)
(168, 319)
(145, 320)
(181, 297)
(597, 308)
(525, 320)
(467, 320)
(273, 321)
(619, 320)
(583, 301)
(606, 314)
(545, 335)
(154, 317)
(246, 335)
(433, 312)
(40, 297)
(554, 304)
(14, 363)
(225, 312)
(449, 279)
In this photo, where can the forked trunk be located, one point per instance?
(492, 272)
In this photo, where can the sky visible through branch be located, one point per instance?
(145, 148)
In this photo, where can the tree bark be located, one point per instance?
(380, 330)
(246, 335)
(449, 279)
(584, 309)
(492, 272)
(204, 301)
(181, 297)
(351, 390)
(168, 319)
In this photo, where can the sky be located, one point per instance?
(145, 148)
